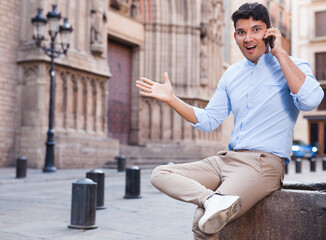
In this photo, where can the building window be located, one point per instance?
(320, 63)
(322, 105)
(320, 20)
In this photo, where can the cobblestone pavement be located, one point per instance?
(38, 207)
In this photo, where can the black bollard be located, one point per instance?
(121, 161)
(98, 176)
(83, 204)
(21, 166)
(324, 163)
(286, 168)
(298, 165)
(132, 182)
(313, 164)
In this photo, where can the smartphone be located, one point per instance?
(270, 41)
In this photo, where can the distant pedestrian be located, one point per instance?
(265, 91)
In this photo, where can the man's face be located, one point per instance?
(249, 37)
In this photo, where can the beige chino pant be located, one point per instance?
(251, 175)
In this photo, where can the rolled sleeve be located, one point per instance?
(217, 109)
(309, 95)
(215, 112)
(199, 115)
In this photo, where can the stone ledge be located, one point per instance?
(285, 214)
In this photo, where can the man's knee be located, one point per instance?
(157, 173)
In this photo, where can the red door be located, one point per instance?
(119, 106)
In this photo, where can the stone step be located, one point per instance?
(154, 155)
(143, 164)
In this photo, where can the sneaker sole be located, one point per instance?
(218, 220)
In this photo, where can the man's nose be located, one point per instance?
(248, 37)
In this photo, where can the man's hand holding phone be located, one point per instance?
(270, 41)
(275, 40)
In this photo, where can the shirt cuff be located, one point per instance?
(305, 89)
(198, 114)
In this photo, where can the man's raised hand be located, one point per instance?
(149, 88)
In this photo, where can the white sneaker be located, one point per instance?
(219, 209)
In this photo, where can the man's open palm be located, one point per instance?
(149, 88)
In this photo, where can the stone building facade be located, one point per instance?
(99, 113)
(183, 38)
(80, 95)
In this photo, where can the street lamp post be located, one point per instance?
(39, 23)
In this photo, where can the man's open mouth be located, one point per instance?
(250, 47)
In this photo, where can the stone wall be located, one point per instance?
(10, 12)
(285, 214)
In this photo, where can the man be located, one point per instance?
(265, 91)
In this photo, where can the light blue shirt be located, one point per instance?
(264, 108)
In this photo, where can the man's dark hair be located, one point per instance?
(255, 10)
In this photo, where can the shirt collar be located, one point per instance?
(265, 57)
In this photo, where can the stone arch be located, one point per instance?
(102, 104)
(93, 103)
(74, 99)
(29, 95)
(85, 102)
(29, 73)
(70, 101)
(60, 98)
(80, 101)
(146, 125)
(166, 122)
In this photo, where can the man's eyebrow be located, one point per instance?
(241, 29)
(256, 26)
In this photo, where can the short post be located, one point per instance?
(121, 161)
(324, 163)
(132, 182)
(313, 164)
(98, 176)
(298, 165)
(21, 166)
(286, 168)
(83, 204)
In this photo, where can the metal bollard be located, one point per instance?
(286, 168)
(98, 176)
(313, 164)
(21, 166)
(132, 182)
(121, 161)
(298, 165)
(324, 163)
(83, 204)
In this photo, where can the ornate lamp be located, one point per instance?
(39, 24)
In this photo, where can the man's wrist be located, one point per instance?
(281, 53)
(172, 100)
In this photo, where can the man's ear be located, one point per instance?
(235, 37)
